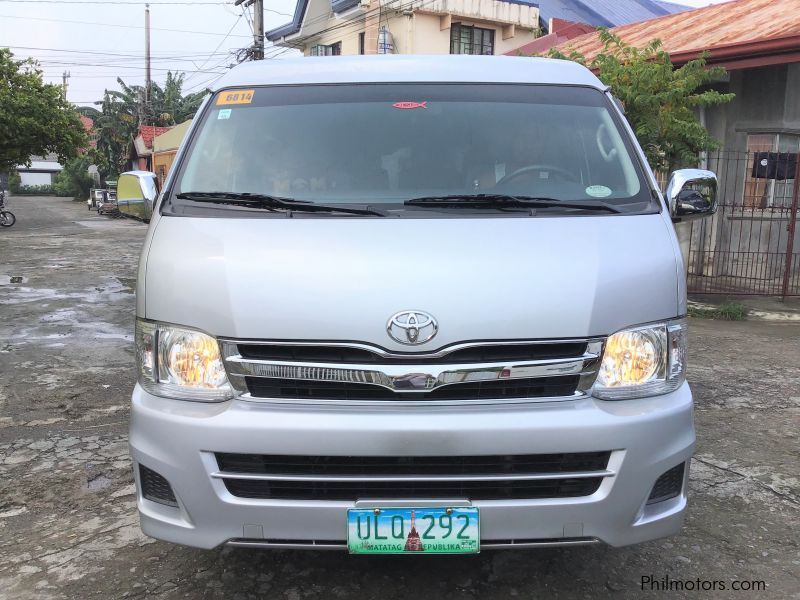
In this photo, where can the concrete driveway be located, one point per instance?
(68, 526)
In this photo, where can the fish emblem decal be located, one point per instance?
(409, 105)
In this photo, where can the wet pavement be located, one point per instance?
(68, 525)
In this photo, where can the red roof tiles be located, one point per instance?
(148, 132)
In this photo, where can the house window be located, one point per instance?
(362, 42)
(770, 170)
(465, 39)
(330, 50)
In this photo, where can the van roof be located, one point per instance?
(408, 68)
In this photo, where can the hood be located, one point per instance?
(341, 279)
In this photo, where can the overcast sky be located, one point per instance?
(97, 40)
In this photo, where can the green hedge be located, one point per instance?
(36, 190)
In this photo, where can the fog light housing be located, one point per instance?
(156, 488)
(668, 486)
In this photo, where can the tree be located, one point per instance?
(122, 111)
(659, 99)
(35, 118)
(169, 105)
(74, 179)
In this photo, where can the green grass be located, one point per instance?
(727, 311)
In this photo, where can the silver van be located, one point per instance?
(413, 304)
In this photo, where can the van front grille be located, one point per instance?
(565, 462)
(345, 371)
(491, 352)
(472, 490)
(351, 478)
(294, 389)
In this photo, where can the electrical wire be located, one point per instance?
(168, 54)
(222, 41)
(117, 25)
(354, 25)
(134, 3)
(56, 63)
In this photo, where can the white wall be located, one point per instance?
(36, 178)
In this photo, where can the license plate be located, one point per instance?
(447, 530)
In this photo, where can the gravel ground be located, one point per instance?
(68, 525)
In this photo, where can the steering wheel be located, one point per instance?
(533, 168)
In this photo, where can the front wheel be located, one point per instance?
(7, 219)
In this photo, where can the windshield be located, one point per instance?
(384, 144)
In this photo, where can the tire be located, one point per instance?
(7, 219)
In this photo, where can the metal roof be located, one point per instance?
(458, 68)
(604, 13)
(729, 31)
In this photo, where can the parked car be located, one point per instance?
(136, 193)
(413, 304)
(108, 205)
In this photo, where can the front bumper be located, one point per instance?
(177, 439)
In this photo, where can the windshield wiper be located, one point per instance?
(506, 201)
(270, 202)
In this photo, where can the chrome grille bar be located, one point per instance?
(406, 478)
(415, 376)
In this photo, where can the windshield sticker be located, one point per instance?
(224, 113)
(409, 105)
(236, 97)
(598, 191)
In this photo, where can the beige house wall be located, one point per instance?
(172, 139)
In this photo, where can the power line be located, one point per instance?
(374, 14)
(116, 2)
(122, 75)
(202, 84)
(222, 41)
(136, 4)
(61, 63)
(122, 26)
(136, 55)
(350, 28)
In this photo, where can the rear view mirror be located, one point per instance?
(691, 194)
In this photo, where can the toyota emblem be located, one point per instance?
(412, 327)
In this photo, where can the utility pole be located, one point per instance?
(258, 29)
(64, 77)
(147, 83)
(258, 26)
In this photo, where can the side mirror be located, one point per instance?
(136, 193)
(692, 194)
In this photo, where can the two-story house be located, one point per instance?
(331, 27)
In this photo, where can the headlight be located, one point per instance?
(180, 363)
(643, 361)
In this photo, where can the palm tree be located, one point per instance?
(122, 111)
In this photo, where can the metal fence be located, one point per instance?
(751, 245)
